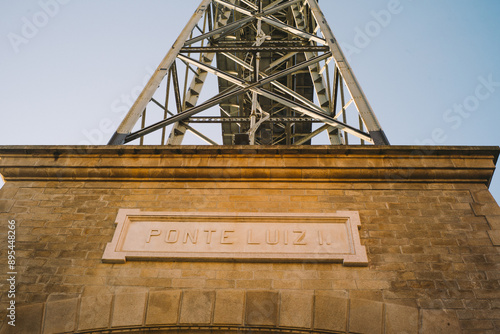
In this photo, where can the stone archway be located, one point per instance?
(228, 311)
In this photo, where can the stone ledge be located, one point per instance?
(245, 163)
(60, 151)
(233, 309)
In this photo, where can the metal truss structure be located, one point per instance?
(265, 72)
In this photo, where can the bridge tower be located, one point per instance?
(257, 72)
(290, 238)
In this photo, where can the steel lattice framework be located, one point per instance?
(268, 72)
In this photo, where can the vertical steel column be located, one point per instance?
(364, 108)
(140, 104)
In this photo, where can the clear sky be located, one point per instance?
(69, 68)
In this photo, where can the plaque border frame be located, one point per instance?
(357, 256)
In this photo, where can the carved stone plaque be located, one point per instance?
(253, 237)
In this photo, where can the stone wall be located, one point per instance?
(429, 224)
(230, 311)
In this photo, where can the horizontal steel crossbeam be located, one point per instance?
(247, 119)
(220, 98)
(256, 49)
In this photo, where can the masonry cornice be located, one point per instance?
(244, 163)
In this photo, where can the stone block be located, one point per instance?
(163, 307)
(229, 307)
(197, 306)
(495, 237)
(296, 309)
(486, 209)
(375, 295)
(483, 196)
(287, 284)
(330, 312)
(235, 274)
(129, 309)
(219, 284)
(320, 284)
(478, 326)
(365, 316)
(401, 319)
(60, 316)
(8, 192)
(261, 308)
(254, 284)
(438, 321)
(28, 320)
(95, 312)
(6, 205)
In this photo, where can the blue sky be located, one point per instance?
(69, 68)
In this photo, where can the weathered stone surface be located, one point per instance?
(438, 321)
(163, 307)
(60, 316)
(495, 237)
(262, 308)
(401, 319)
(6, 205)
(365, 316)
(330, 312)
(296, 309)
(95, 312)
(197, 306)
(385, 164)
(483, 196)
(494, 222)
(426, 245)
(28, 320)
(129, 309)
(486, 209)
(229, 307)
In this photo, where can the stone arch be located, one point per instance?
(226, 311)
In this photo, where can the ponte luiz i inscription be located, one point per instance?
(256, 237)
